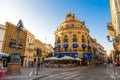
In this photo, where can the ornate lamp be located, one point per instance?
(16, 56)
(108, 38)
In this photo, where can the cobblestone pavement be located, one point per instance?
(109, 72)
(79, 73)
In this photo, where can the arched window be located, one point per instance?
(83, 39)
(58, 40)
(88, 41)
(65, 38)
(74, 38)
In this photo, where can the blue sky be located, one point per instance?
(42, 17)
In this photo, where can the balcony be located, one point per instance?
(75, 40)
(30, 49)
(65, 40)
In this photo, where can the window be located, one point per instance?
(58, 40)
(74, 38)
(88, 41)
(83, 39)
(65, 38)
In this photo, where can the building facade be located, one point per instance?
(101, 53)
(72, 39)
(45, 50)
(114, 26)
(2, 32)
(29, 49)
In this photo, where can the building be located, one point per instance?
(2, 32)
(9, 43)
(29, 49)
(115, 15)
(94, 46)
(45, 50)
(72, 39)
(114, 26)
(49, 48)
(112, 55)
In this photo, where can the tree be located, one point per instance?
(50, 55)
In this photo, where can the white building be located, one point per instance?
(115, 15)
(2, 32)
(49, 47)
(114, 26)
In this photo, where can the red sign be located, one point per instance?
(117, 52)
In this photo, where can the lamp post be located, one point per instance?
(38, 54)
(16, 56)
(14, 67)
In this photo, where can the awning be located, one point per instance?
(65, 45)
(74, 55)
(75, 45)
(89, 47)
(87, 56)
(57, 46)
(57, 55)
(52, 58)
(78, 59)
(67, 58)
(84, 46)
(2, 54)
(65, 54)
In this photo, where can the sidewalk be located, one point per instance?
(26, 74)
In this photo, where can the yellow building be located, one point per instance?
(94, 46)
(72, 38)
(45, 51)
(29, 49)
(10, 40)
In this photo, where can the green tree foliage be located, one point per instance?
(50, 55)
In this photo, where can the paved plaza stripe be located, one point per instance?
(51, 76)
(31, 72)
(72, 76)
(67, 75)
(58, 74)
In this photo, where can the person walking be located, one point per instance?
(1, 65)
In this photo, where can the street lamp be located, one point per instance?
(16, 56)
(14, 67)
(108, 38)
(38, 54)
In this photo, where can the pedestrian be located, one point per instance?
(1, 65)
